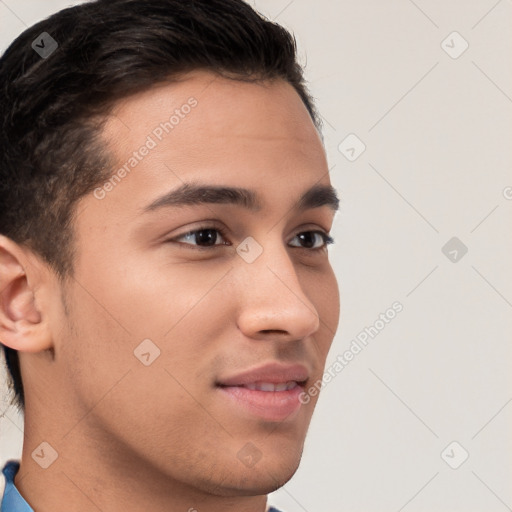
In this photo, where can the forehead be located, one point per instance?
(208, 128)
(223, 108)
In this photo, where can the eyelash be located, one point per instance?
(326, 238)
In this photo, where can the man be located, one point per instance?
(166, 293)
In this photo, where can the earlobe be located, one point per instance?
(22, 325)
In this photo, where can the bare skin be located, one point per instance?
(165, 436)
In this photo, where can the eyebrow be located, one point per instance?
(192, 194)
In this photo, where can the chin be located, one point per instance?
(265, 477)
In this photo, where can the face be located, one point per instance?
(192, 328)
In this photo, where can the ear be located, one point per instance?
(23, 326)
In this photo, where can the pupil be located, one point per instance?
(210, 237)
(309, 238)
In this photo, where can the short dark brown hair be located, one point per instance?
(52, 107)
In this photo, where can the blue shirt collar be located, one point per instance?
(12, 501)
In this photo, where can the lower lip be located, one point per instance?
(269, 405)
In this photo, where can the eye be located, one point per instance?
(206, 237)
(310, 239)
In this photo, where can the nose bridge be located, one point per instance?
(272, 294)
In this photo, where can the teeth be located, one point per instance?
(269, 386)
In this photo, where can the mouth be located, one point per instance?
(268, 387)
(269, 392)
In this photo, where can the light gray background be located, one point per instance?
(437, 165)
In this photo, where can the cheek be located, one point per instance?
(107, 324)
(323, 291)
(175, 301)
(180, 308)
(146, 297)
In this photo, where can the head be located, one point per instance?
(151, 120)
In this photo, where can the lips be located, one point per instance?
(270, 392)
(272, 373)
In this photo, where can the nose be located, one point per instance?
(272, 298)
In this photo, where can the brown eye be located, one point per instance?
(203, 237)
(308, 239)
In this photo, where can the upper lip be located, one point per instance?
(274, 373)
